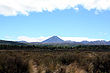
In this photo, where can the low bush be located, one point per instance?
(66, 58)
(10, 64)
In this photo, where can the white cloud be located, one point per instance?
(9, 37)
(96, 12)
(105, 33)
(76, 9)
(42, 38)
(14, 7)
(29, 39)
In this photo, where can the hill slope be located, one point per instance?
(3, 42)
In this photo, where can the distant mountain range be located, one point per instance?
(55, 40)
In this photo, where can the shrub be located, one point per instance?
(77, 51)
(66, 58)
(13, 64)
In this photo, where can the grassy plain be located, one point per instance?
(54, 61)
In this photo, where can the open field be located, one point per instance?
(54, 61)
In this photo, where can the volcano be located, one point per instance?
(53, 39)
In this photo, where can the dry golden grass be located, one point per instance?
(24, 61)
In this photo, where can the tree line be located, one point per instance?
(52, 47)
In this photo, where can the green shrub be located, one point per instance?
(77, 51)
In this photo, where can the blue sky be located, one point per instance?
(75, 22)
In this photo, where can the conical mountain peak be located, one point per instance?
(53, 39)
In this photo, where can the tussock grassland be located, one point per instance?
(51, 61)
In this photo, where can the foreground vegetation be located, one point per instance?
(54, 61)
